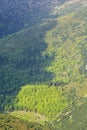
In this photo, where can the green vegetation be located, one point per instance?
(30, 116)
(15, 17)
(66, 41)
(21, 62)
(53, 53)
(75, 93)
(75, 119)
(43, 74)
(8, 122)
(41, 99)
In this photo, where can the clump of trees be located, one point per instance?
(41, 99)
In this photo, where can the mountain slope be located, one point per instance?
(8, 122)
(43, 66)
(75, 119)
(18, 14)
(53, 53)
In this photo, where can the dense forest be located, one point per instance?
(43, 73)
(16, 15)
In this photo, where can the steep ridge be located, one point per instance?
(18, 14)
(43, 68)
(53, 53)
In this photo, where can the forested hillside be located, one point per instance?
(18, 14)
(43, 67)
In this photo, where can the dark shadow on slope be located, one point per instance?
(22, 62)
(16, 15)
